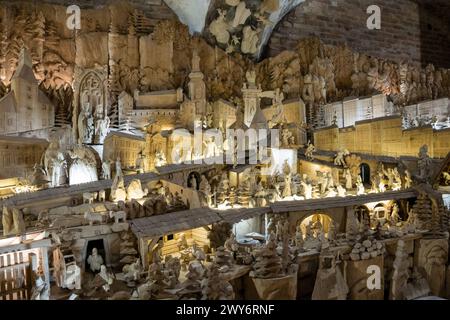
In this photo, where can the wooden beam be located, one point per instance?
(26, 246)
(15, 266)
(327, 203)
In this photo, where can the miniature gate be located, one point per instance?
(15, 275)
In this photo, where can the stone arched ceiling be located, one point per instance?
(243, 26)
(191, 12)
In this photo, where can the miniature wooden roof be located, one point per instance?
(233, 216)
(8, 103)
(23, 140)
(125, 135)
(156, 226)
(326, 203)
(173, 168)
(445, 164)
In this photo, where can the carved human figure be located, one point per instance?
(299, 238)
(182, 242)
(287, 191)
(307, 190)
(408, 180)
(224, 182)
(140, 163)
(279, 230)
(397, 183)
(339, 160)
(395, 217)
(341, 191)
(7, 221)
(205, 189)
(308, 90)
(193, 182)
(39, 176)
(82, 122)
(249, 40)
(160, 159)
(218, 28)
(286, 136)
(89, 129)
(95, 260)
(360, 187)
(424, 164)
(277, 101)
(231, 243)
(381, 182)
(322, 181)
(348, 179)
(211, 149)
(19, 223)
(40, 290)
(106, 276)
(390, 175)
(309, 151)
(119, 172)
(101, 129)
(58, 165)
(106, 169)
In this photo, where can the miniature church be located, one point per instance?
(156, 151)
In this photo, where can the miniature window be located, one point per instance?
(170, 237)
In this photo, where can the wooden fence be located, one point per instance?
(16, 275)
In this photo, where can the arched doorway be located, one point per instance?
(365, 173)
(320, 222)
(362, 213)
(378, 215)
(193, 180)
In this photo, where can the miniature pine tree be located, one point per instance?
(214, 287)
(422, 212)
(114, 116)
(128, 253)
(244, 195)
(435, 225)
(268, 263)
(444, 219)
(223, 257)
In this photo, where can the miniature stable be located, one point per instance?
(172, 166)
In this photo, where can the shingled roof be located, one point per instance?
(159, 225)
(233, 216)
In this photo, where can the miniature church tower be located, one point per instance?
(194, 109)
(25, 87)
(25, 107)
(251, 95)
(197, 87)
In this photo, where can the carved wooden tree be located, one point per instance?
(219, 233)
(422, 211)
(444, 219)
(400, 275)
(268, 264)
(244, 194)
(214, 287)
